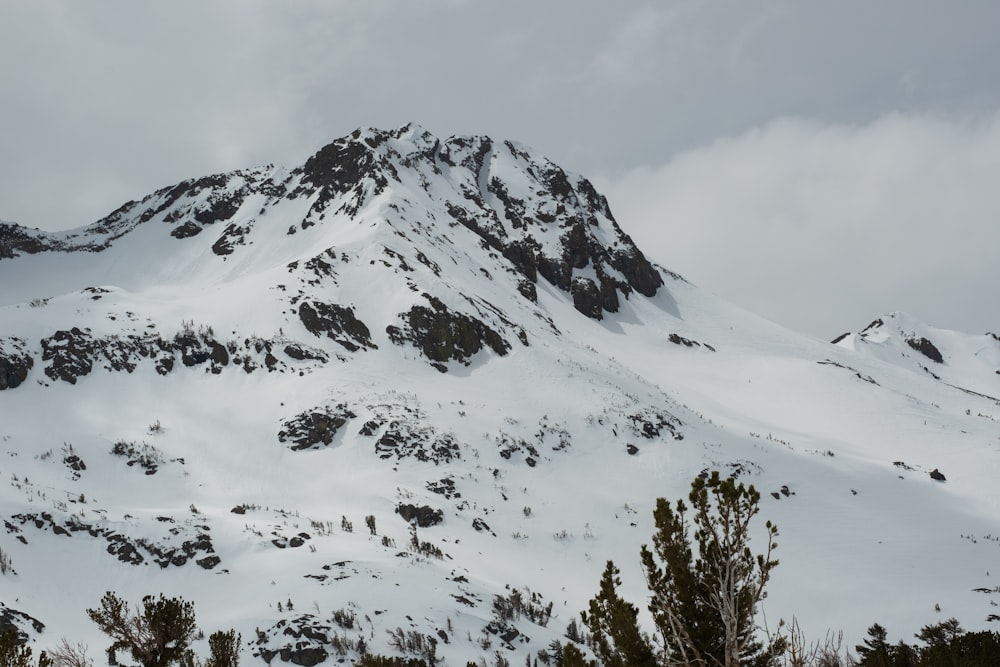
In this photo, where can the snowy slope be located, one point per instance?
(201, 391)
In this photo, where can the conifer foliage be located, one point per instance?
(13, 653)
(224, 649)
(705, 585)
(157, 636)
(617, 640)
(946, 644)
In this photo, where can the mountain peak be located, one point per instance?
(520, 214)
(971, 361)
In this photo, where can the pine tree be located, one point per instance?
(14, 653)
(224, 648)
(617, 640)
(573, 657)
(875, 650)
(158, 636)
(706, 584)
(948, 644)
(972, 649)
(940, 634)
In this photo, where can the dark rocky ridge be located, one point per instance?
(70, 354)
(171, 549)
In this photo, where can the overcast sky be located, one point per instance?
(820, 164)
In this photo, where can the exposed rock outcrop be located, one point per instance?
(336, 322)
(15, 362)
(71, 354)
(442, 335)
(314, 428)
(926, 348)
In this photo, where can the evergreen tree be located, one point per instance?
(224, 649)
(617, 640)
(971, 649)
(705, 583)
(940, 634)
(14, 653)
(573, 657)
(158, 636)
(948, 644)
(904, 655)
(875, 651)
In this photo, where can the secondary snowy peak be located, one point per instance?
(513, 211)
(967, 361)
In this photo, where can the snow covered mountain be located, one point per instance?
(969, 362)
(413, 394)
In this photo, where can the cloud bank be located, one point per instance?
(806, 223)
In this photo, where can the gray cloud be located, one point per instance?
(105, 101)
(824, 227)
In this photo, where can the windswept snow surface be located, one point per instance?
(201, 391)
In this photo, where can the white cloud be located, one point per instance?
(806, 223)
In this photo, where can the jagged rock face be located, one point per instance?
(337, 323)
(442, 335)
(926, 348)
(553, 232)
(587, 298)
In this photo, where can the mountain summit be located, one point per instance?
(410, 397)
(527, 216)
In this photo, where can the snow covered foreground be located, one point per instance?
(209, 392)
